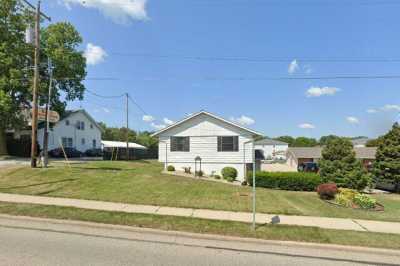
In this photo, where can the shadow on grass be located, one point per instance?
(102, 168)
(40, 184)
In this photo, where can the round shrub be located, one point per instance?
(217, 176)
(229, 173)
(199, 173)
(364, 201)
(171, 168)
(327, 191)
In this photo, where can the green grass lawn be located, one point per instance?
(142, 183)
(270, 232)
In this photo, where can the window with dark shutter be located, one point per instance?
(228, 143)
(180, 144)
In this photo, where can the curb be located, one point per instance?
(197, 236)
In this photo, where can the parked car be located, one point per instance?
(94, 153)
(308, 167)
(70, 152)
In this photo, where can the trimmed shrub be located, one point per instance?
(285, 180)
(364, 201)
(187, 170)
(217, 176)
(327, 191)
(199, 173)
(229, 173)
(170, 168)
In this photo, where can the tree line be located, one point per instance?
(312, 142)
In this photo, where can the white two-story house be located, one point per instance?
(205, 137)
(77, 129)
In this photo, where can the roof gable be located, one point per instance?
(82, 111)
(191, 117)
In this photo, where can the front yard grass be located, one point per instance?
(270, 232)
(141, 182)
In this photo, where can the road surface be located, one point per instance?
(44, 242)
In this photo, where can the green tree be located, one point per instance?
(387, 163)
(288, 139)
(304, 142)
(339, 165)
(59, 42)
(6, 107)
(374, 142)
(325, 139)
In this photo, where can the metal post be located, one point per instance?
(46, 129)
(127, 128)
(35, 87)
(254, 188)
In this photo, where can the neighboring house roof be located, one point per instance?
(316, 152)
(208, 114)
(268, 141)
(360, 141)
(71, 112)
(121, 144)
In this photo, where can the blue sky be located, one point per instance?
(161, 53)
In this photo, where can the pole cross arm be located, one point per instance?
(40, 12)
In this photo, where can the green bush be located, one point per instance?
(217, 176)
(364, 201)
(199, 173)
(171, 168)
(229, 173)
(286, 180)
(346, 197)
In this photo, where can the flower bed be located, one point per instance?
(349, 198)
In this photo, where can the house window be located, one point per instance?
(83, 141)
(180, 144)
(67, 122)
(80, 125)
(94, 144)
(230, 143)
(67, 142)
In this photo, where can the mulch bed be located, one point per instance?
(378, 208)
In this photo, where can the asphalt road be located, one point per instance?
(25, 242)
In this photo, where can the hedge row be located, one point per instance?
(286, 181)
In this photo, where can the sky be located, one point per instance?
(177, 57)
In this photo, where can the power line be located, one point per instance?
(260, 59)
(137, 105)
(105, 96)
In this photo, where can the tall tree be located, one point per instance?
(339, 165)
(305, 142)
(387, 164)
(288, 139)
(59, 42)
(325, 139)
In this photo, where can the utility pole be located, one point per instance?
(127, 127)
(46, 129)
(38, 14)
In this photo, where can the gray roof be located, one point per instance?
(268, 141)
(316, 152)
(360, 141)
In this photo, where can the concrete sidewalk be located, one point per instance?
(322, 222)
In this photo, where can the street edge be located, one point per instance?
(378, 251)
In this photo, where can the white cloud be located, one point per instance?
(243, 120)
(391, 107)
(148, 118)
(306, 126)
(158, 126)
(293, 67)
(120, 11)
(352, 120)
(372, 111)
(94, 54)
(321, 91)
(307, 69)
(106, 110)
(168, 121)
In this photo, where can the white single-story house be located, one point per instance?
(215, 141)
(77, 129)
(271, 149)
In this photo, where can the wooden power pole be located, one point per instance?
(35, 88)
